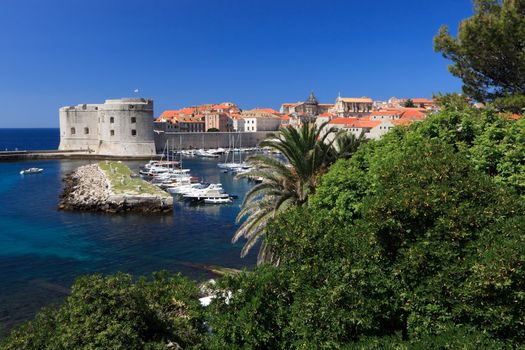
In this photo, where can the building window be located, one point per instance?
(133, 132)
(73, 131)
(133, 120)
(111, 120)
(86, 131)
(112, 132)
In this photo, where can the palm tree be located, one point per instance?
(308, 154)
(346, 144)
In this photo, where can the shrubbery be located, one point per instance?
(417, 242)
(117, 313)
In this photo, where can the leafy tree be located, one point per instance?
(488, 53)
(409, 104)
(452, 102)
(346, 144)
(512, 103)
(410, 243)
(115, 313)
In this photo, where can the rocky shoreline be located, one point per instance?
(88, 189)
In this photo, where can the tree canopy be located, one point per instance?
(415, 240)
(114, 312)
(488, 53)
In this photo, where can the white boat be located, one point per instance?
(219, 150)
(205, 154)
(183, 189)
(31, 171)
(215, 200)
(188, 152)
(212, 191)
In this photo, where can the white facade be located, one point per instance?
(261, 124)
(238, 124)
(121, 127)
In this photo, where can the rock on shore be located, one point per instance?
(88, 189)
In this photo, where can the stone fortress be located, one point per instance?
(121, 127)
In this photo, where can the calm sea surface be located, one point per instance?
(43, 250)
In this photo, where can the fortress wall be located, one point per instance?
(206, 140)
(122, 127)
(79, 127)
(132, 127)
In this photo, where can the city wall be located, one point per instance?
(194, 140)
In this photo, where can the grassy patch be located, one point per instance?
(123, 180)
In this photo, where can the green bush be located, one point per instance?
(116, 313)
(408, 240)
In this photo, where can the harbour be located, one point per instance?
(42, 249)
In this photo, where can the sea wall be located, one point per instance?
(89, 189)
(196, 140)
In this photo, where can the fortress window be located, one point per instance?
(111, 120)
(112, 132)
(133, 132)
(133, 120)
(73, 131)
(86, 131)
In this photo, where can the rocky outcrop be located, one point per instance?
(88, 189)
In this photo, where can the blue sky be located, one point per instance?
(184, 52)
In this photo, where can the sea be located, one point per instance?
(43, 250)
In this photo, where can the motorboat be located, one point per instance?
(206, 154)
(216, 200)
(186, 188)
(188, 152)
(161, 164)
(31, 171)
(212, 191)
(219, 150)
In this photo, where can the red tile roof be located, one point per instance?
(267, 110)
(366, 124)
(386, 112)
(421, 100)
(413, 114)
(168, 114)
(342, 120)
(402, 122)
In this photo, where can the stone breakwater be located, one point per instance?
(89, 189)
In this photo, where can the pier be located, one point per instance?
(67, 154)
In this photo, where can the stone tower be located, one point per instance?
(121, 127)
(311, 105)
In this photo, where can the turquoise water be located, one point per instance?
(42, 250)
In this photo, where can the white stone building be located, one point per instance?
(261, 119)
(121, 127)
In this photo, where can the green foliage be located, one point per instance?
(409, 104)
(511, 103)
(453, 337)
(489, 51)
(346, 144)
(115, 313)
(255, 316)
(452, 102)
(416, 242)
(213, 130)
(308, 155)
(123, 180)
